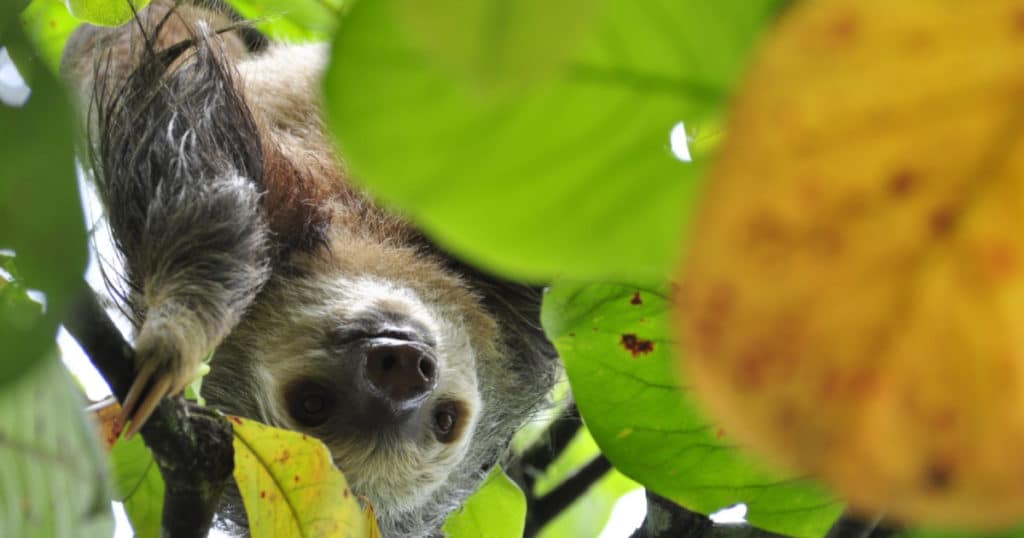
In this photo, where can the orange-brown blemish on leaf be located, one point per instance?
(942, 220)
(296, 479)
(999, 260)
(636, 346)
(1017, 19)
(345, 493)
(713, 318)
(944, 420)
(720, 433)
(902, 183)
(636, 300)
(285, 456)
(844, 27)
(236, 420)
(263, 494)
(939, 475)
(765, 228)
(750, 369)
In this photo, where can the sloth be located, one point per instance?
(241, 234)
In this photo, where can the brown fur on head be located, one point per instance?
(329, 315)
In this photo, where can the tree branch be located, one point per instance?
(191, 444)
(666, 519)
(546, 508)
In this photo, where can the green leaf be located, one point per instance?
(40, 211)
(290, 486)
(106, 12)
(292, 20)
(49, 25)
(496, 510)
(51, 471)
(533, 137)
(618, 356)
(138, 484)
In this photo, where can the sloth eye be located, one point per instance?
(309, 402)
(446, 419)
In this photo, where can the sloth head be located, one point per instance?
(415, 375)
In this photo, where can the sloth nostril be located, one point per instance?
(402, 373)
(427, 367)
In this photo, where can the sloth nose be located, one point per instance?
(403, 373)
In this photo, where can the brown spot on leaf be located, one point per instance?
(296, 479)
(765, 228)
(236, 420)
(345, 493)
(636, 300)
(902, 183)
(825, 241)
(720, 433)
(942, 220)
(263, 494)
(999, 260)
(938, 475)
(1017, 19)
(637, 346)
(945, 420)
(713, 318)
(844, 27)
(750, 369)
(285, 456)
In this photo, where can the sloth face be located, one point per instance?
(386, 380)
(380, 366)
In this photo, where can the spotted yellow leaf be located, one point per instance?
(853, 297)
(291, 488)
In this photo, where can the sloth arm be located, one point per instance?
(177, 162)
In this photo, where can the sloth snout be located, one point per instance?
(402, 373)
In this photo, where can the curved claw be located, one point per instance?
(136, 392)
(161, 388)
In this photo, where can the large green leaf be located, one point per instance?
(106, 12)
(40, 212)
(533, 137)
(138, 484)
(614, 341)
(49, 24)
(496, 510)
(292, 20)
(52, 476)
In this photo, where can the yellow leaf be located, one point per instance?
(853, 297)
(290, 486)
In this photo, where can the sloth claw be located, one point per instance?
(152, 384)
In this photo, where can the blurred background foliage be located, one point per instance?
(562, 142)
